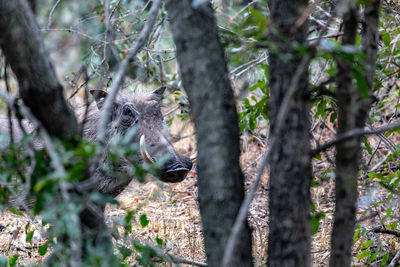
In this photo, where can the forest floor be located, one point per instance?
(173, 211)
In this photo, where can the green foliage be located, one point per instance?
(144, 221)
(244, 36)
(253, 108)
(46, 187)
(13, 260)
(316, 217)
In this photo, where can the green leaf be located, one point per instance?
(138, 247)
(29, 236)
(143, 220)
(321, 109)
(361, 82)
(389, 212)
(314, 224)
(385, 258)
(333, 117)
(367, 146)
(357, 235)
(258, 84)
(315, 219)
(385, 38)
(367, 244)
(318, 156)
(363, 254)
(43, 249)
(16, 212)
(258, 15)
(159, 241)
(129, 216)
(373, 257)
(125, 252)
(13, 260)
(242, 126)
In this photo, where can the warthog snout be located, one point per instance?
(175, 171)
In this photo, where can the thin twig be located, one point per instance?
(55, 160)
(136, 47)
(109, 101)
(395, 260)
(9, 111)
(51, 13)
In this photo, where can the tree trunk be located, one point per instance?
(22, 44)
(352, 113)
(290, 164)
(205, 78)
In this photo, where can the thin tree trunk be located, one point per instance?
(205, 78)
(347, 152)
(290, 165)
(352, 113)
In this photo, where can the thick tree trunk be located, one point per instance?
(290, 164)
(22, 44)
(352, 113)
(205, 78)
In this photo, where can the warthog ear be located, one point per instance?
(99, 96)
(158, 93)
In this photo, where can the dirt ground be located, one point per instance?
(173, 212)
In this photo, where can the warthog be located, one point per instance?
(140, 115)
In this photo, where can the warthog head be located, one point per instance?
(141, 115)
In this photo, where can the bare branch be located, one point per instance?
(395, 260)
(51, 13)
(136, 47)
(383, 230)
(355, 133)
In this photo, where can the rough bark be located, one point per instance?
(290, 164)
(352, 113)
(22, 44)
(205, 79)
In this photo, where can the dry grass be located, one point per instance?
(173, 212)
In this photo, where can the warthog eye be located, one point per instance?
(129, 115)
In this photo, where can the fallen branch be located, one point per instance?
(186, 261)
(354, 133)
(161, 254)
(383, 230)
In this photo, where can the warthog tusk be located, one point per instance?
(194, 156)
(143, 151)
